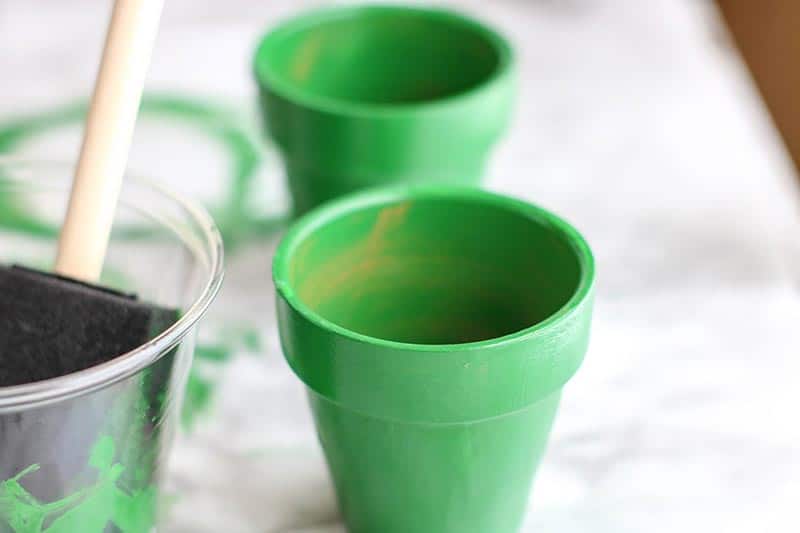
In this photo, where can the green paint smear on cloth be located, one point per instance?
(209, 360)
(214, 121)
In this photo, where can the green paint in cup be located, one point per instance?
(434, 327)
(370, 95)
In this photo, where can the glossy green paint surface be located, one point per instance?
(434, 327)
(371, 95)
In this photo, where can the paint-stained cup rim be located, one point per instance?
(31, 395)
(268, 77)
(350, 204)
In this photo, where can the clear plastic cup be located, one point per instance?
(86, 451)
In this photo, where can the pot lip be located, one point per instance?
(268, 78)
(40, 393)
(317, 218)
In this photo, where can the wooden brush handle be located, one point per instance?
(107, 138)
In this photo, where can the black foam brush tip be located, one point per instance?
(51, 326)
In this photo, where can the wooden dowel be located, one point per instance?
(107, 138)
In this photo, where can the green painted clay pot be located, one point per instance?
(370, 95)
(434, 327)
